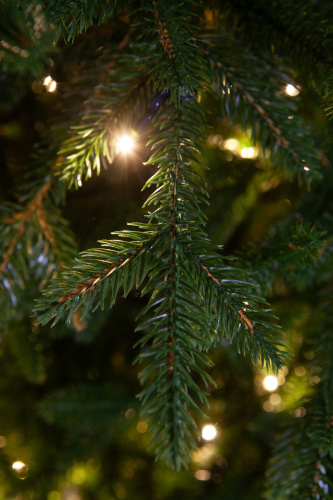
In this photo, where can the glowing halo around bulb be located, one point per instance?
(291, 90)
(270, 383)
(18, 465)
(49, 83)
(209, 432)
(125, 144)
(20, 469)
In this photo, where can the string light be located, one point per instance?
(125, 144)
(49, 83)
(202, 475)
(20, 468)
(270, 383)
(291, 90)
(209, 432)
(249, 153)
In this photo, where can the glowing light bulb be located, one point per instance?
(202, 475)
(231, 145)
(20, 468)
(52, 86)
(208, 432)
(49, 83)
(125, 144)
(249, 152)
(291, 90)
(270, 383)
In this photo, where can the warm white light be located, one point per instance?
(270, 383)
(202, 475)
(50, 84)
(249, 153)
(231, 145)
(209, 432)
(306, 168)
(125, 144)
(18, 465)
(291, 90)
(20, 469)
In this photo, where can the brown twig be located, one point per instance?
(89, 285)
(163, 33)
(34, 207)
(243, 316)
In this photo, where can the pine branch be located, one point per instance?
(251, 92)
(299, 471)
(35, 242)
(299, 33)
(72, 17)
(178, 324)
(291, 253)
(185, 302)
(239, 314)
(99, 272)
(169, 53)
(114, 107)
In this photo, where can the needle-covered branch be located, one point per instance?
(251, 91)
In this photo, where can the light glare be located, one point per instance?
(52, 86)
(125, 144)
(202, 475)
(49, 84)
(270, 383)
(18, 465)
(291, 90)
(231, 145)
(209, 432)
(249, 153)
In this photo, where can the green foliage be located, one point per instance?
(84, 407)
(299, 470)
(73, 17)
(25, 36)
(28, 355)
(252, 91)
(239, 57)
(181, 320)
(299, 32)
(297, 250)
(114, 106)
(35, 242)
(167, 41)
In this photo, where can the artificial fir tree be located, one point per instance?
(245, 91)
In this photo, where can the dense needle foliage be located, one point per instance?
(164, 74)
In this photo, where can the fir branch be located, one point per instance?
(251, 92)
(97, 273)
(35, 240)
(113, 108)
(239, 314)
(298, 470)
(291, 254)
(73, 17)
(299, 33)
(169, 53)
